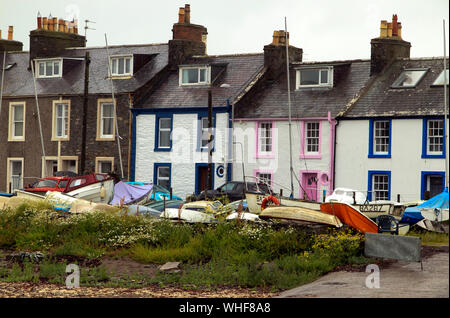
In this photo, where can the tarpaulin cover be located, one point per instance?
(131, 192)
(414, 214)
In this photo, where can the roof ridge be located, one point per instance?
(115, 46)
(227, 55)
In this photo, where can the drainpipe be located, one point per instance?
(333, 123)
(87, 61)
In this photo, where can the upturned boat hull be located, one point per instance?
(300, 214)
(254, 201)
(350, 216)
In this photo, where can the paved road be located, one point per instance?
(399, 280)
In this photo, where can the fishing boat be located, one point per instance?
(350, 216)
(94, 187)
(244, 216)
(300, 215)
(255, 200)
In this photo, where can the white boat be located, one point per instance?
(29, 195)
(99, 192)
(244, 216)
(433, 226)
(187, 215)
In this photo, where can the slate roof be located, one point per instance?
(381, 100)
(235, 70)
(272, 101)
(19, 81)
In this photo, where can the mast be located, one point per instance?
(115, 108)
(289, 105)
(445, 112)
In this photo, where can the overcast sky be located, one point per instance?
(325, 29)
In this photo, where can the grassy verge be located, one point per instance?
(225, 254)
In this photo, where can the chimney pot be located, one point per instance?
(39, 20)
(187, 13)
(44, 23)
(10, 32)
(181, 16)
(0, 34)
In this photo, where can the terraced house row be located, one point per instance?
(374, 125)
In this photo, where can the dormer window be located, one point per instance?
(121, 65)
(197, 75)
(315, 77)
(409, 78)
(49, 68)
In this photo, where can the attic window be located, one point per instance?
(440, 79)
(409, 78)
(315, 77)
(194, 75)
(121, 65)
(49, 68)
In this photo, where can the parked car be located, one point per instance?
(233, 190)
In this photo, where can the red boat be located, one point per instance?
(350, 216)
(49, 184)
(66, 184)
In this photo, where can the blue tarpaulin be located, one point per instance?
(414, 214)
(131, 192)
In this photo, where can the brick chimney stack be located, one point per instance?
(388, 46)
(9, 44)
(188, 39)
(275, 54)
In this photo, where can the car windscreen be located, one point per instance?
(46, 184)
(62, 183)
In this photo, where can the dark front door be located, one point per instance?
(203, 178)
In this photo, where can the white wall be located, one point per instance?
(183, 155)
(405, 164)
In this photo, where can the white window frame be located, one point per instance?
(198, 68)
(39, 62)
(158, 177)
(66, 118)
(114, 64)
(265, 139)
(381, 139)
(431, 138)
(100, 160)
(100, 135)
(329, 82)
(160, 130)
(376, 187)
(9, 174)
(308, 138)
(262, 176)
(204, 132)
(12, 122)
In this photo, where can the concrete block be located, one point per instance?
(405, 248)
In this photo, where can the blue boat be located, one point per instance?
(413, 215)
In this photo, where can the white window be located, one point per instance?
(49, 68)
(16, 122)
(14, 174)
(435, 138)
(312, 137)
(265, 137)
(381, 137)
(204, 132)
(105, 119)
(61, 120)
(380, 183)
(264, 177)
(121, 65)
(409, 78)
(315, 77)
(163, 176)
(165, 125)
(194, 75)
(104, 164)
(440, 79)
